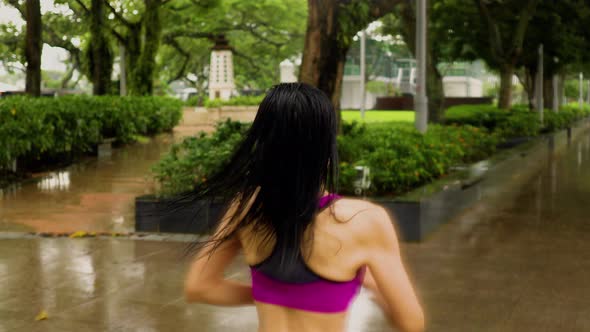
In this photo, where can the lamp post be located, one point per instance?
(540, 105)
(420, 98)
(581, 98)
(555, 83)
(363, 60)
(122, 71)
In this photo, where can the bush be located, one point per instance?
(517, 122)
(400, 158)
(486, 116)
(566, 116)
(235, 101)
(190, 162)
(32, 128)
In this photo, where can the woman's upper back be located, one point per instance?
(332, 249)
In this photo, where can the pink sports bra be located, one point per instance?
(301, 288)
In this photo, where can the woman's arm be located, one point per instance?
(387, 277)
(205, 282)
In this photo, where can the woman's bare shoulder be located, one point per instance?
(359, 211)
(370, 223)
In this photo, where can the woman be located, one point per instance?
(308, 250)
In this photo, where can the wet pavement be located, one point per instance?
(524, 266)
(97, 194)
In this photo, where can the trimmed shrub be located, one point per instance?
(32, 128)
(235, 101)
(190, 162)
(400, 157)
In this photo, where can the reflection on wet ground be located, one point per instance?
(524, 267)
(94, 195)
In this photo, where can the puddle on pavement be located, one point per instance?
(96, 194)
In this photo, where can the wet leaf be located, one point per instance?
(78, 234)
(41, 315)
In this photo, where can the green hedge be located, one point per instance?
(517, 122)
(190, 162)
(36, 127)
(235, 101)
(400, 158)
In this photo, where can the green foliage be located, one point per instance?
(190, 162)
(235, 101)
(486, 116)
(36, 127)
(518, 122)
(262, 33)
(193, 101)
(564, 118)
(400, 158)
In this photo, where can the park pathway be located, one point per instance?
(94, 195)
(524, 266)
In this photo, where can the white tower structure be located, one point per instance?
(221, 70)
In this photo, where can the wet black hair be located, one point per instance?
(277, 174)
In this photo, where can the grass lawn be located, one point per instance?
(379, 116)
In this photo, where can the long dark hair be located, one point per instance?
(277, 174)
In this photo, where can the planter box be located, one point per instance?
(417, 213)
(157, 215)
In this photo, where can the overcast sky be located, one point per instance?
(52, 57)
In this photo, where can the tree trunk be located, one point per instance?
(528, 83)
(67, 77)
(326, 44)
(324, 54)
(548, 92)
(505, 97)
(33, 48)
(142, 80)
(100, 55)
(133, 53)
(435, 92)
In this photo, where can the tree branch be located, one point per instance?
(84, 8)
(496, 47)
(189, 34)
(21, 10)
(251, 61)
(518, 38)
(379, 8)
(117, 14)
(180, 74)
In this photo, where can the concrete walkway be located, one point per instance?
(524, 266)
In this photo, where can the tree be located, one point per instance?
(261, 34)
(331, 25)
(33, 48)
(139, 29)
(490, 30)
(59, 30)
(99, 54)
(561, 27)
(11, 51)
(403, 22)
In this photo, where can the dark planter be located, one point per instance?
(416, 214)
(513, 142)
(415, 219)
(159, 215)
